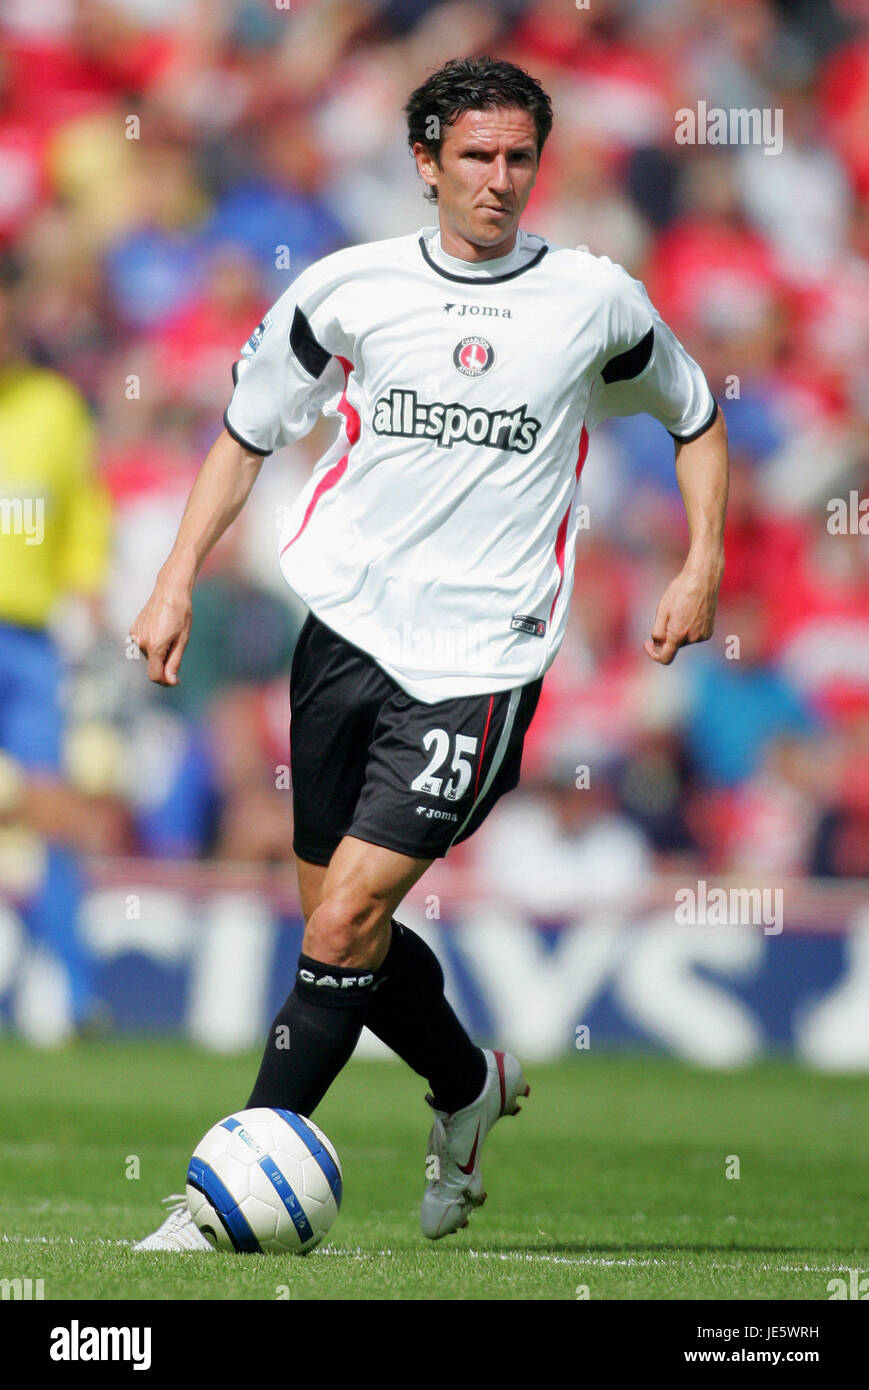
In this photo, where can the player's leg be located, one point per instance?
(434, 773)
(409, 1011)
(311, 879)
(318, 1026)
(335, 695)
(471, 1088)
(347, 936)
(364, 883)
(346, 736)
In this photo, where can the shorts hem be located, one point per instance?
(412, 851)
(313, 856)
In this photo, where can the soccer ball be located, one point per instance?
(264, 1180)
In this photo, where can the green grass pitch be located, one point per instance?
(612, 1180)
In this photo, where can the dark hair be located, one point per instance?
(472, 84)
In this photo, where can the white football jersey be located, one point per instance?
(437, 533)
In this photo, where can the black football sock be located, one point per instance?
(410, 1014)
(313, 1036)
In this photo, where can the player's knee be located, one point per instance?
(346, 931)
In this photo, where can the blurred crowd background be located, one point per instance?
(167, 167)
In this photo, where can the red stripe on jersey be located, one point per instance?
(354, 424)
(353, 428)
(483, 749)
(561, 538)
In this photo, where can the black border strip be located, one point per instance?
(689, 438)
(239, 439)
(627, 365)
(311, 353)
(480, 279)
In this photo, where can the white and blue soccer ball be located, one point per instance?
(265, 1181)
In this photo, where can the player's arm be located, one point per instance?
(686, 612)
(648, 370)
(221, 489)
(288, 371)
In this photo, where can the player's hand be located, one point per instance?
(686, 613)
(162, 631)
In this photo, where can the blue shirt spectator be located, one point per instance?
(737, 709)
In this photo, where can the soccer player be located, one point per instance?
(465, 365)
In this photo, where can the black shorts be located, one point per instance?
(368, 760)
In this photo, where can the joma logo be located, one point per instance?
(473, 310)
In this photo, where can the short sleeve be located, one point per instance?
(646, 369)
(287, 373)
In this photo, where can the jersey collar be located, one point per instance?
(493, 272)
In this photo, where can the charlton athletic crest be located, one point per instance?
(473, 356)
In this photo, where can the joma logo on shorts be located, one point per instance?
(448, 423)
(431, 813)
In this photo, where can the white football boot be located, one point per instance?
(178, 1232)
(455, 1186)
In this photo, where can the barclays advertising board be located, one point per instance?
(707, 974)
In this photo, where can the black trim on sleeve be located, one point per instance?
(629, 364)
(479, 279)
(251, 448)
(312, 355)
(689, 438)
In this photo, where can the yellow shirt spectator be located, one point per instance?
(54, 510)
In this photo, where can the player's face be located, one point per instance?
(488, 164)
